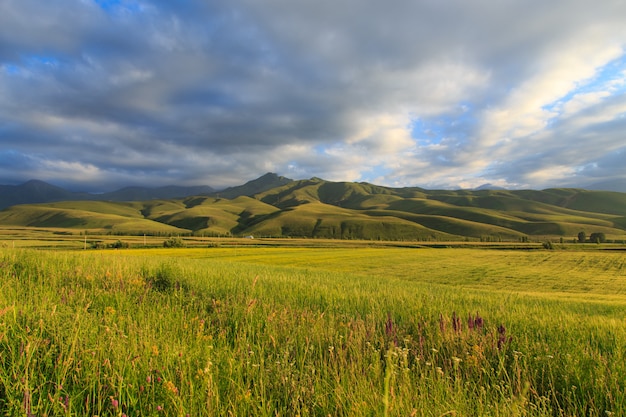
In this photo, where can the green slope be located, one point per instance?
(320, 220)
(324, 209)
(598, 201)
(43, 215)
(216, 216)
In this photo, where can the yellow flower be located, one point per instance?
(169, 385)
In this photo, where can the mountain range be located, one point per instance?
(276, 206)
(36, 191)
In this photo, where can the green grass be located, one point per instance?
(316, 331)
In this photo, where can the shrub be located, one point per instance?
(597, 238)
(119, 245)
(174, 242)
(164, 279)
(97, 245)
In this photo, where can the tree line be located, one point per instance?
(597, 237)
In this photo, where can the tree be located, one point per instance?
(174, 242)
(597, 238)
(582, 237)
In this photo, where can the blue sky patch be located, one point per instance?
(609, 78)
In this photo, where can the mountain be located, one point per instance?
(489, 186)
(259, 185)
(35, 191)
(277, 206)
(613, 185)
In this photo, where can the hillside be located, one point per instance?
(277, 206)
(35, 191)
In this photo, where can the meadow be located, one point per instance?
(347, 330)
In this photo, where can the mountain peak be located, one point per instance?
(33, 191)
(269, 175)
(263, 183)
(37, 184)
(489, 186)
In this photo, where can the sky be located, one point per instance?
(100, 94)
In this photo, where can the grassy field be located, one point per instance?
(349, 330)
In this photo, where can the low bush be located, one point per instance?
(174, 242)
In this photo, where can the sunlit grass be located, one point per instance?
(588, 273)
(292, 331)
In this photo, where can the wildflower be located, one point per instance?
(390, 330)
(475, 323)
(159, 408)
(502, 338)
(456, 322)
(114, 403)
(389, 325)
(109, 310)
(169, 385)
(479, 323)
(155, 350)
(65, 402)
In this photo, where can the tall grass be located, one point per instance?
(106, 333)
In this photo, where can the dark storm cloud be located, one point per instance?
(448, 93)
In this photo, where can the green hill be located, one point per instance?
(82, 218)
(277, 206)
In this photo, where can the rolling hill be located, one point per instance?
(277, 206)
(35, 191)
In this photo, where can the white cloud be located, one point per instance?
(580, 102)
(184, 92)
(523, 113)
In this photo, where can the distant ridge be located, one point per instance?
(36, 191)
(489, 187)
(613, 185)
(144, 193)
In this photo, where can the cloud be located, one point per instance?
(440, 94)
